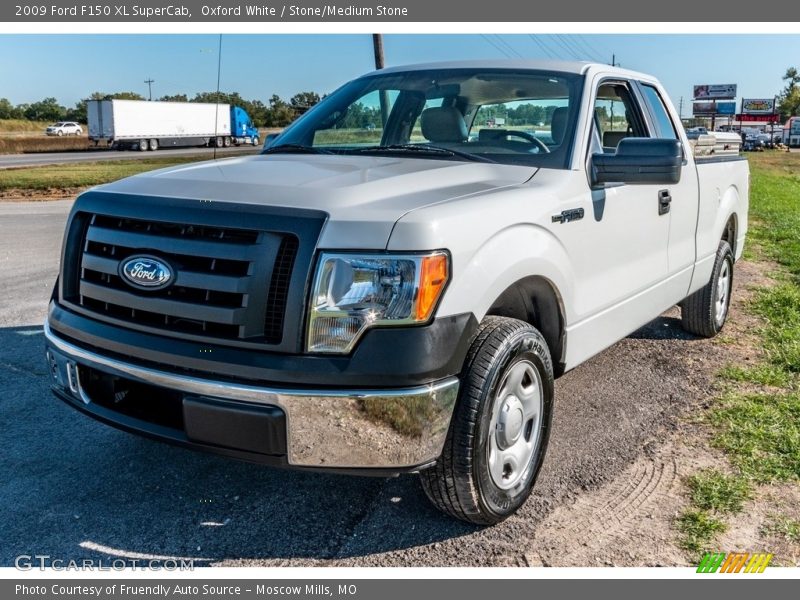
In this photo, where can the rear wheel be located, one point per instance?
(500, 427)
(219, 142)
(227, 142)
(704, 312)
(143, 145)
(153, 144)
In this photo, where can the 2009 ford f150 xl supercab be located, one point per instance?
(394, 282)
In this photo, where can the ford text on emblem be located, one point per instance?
(146, 272)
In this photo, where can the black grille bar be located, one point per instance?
(240, 271)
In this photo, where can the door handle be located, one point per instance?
(664, 201)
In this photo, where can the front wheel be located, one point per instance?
(705, 311)
(255, 140)
(500, 427)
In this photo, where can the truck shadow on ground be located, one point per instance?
(74, 488)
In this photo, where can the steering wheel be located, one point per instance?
(528, 137)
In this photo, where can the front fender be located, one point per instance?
(480, 275)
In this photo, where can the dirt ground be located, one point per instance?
(630, 520)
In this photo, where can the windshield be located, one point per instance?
(510, 116)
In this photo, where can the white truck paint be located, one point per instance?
(547, 265)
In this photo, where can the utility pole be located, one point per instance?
(680, 109)
(377, 47)
(150, 83)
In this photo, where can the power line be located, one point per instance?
(541, 45)
(596, 53)
(564, 45)
(509, 46)
(591, 53)
(495, 46)
(579, 53)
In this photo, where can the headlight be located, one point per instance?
(352, 293)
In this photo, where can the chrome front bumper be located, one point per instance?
(345, 429)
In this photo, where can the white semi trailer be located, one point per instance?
(146, 125)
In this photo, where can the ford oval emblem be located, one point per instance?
(146, 272)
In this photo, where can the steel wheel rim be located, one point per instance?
(723, 293)
(515, 427)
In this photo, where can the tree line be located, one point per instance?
(276, 112)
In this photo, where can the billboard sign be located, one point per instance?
(757, 118)
(709, 109)
(758, 106)
(725, 91)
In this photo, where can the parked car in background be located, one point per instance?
(64, 128)
(695, 132)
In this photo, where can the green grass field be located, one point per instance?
(756, 421)
(75, 176)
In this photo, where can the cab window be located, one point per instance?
(617, 115)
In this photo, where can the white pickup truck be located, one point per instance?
(393, 284)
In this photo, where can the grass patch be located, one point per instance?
(84, 174)
(23, 126)
(769, 375)
(784, 527)
(714, 490)
(760, 434)
(698, 529)
(774, 214)
(42, 143)
(780, 307)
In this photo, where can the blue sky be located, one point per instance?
(70, 67)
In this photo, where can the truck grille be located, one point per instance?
(230, 283)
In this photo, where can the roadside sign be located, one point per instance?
(725, 91)
(713, 108)
(757, 118)
(758, 106)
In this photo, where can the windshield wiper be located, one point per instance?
(294, 149)
(420, 149)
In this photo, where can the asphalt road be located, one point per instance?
(8, 161)
(73, 488)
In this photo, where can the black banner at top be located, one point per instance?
(463, 11)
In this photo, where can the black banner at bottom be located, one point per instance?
(732, 587)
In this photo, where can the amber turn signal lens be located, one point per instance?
(433, 277)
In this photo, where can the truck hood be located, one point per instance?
(364, 196)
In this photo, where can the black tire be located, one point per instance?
(153, 144)
(219, 142)
(227, 142)
(60, 133)
(460, 483)
(255, 140)
(143, 145)
(699, 312)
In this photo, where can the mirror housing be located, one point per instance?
(639, 160)
(271, 137)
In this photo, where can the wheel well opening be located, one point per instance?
(535, 301)
(729, 233)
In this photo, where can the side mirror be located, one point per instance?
(639, 160)
(271, 137)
